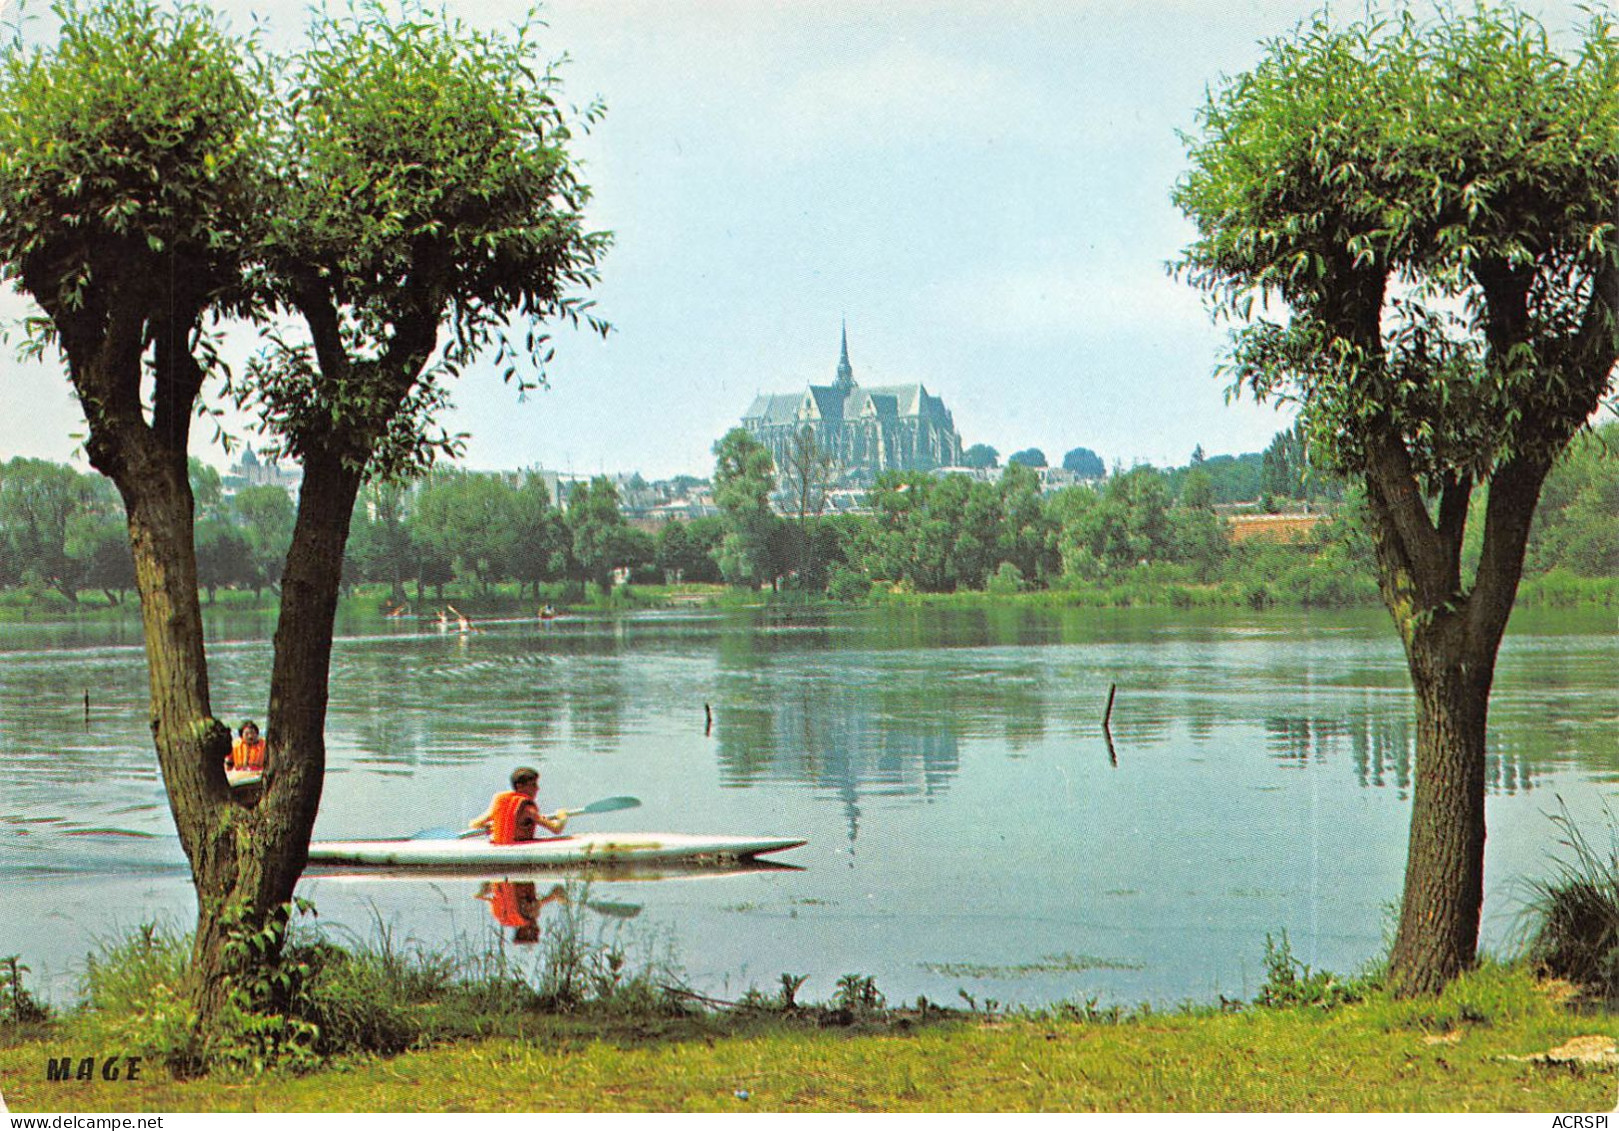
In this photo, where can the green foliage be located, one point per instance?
(858, 995)
(132, 150)
(1467, 158)
(981, 457)
(1028, 457)
(133, 995)
(1289, 983)
(425, 180)
(1577, 523)
(744, 479)
(601, 541)
(17, 1005)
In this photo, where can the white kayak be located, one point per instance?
(243, 777)
(608, 849)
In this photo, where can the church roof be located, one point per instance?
(844, 400)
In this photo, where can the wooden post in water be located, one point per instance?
(86, 708)
(708, 720)
(1107, 717)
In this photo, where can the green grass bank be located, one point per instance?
(1474, 1049)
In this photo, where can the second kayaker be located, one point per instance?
(247, 753)
(512, 815)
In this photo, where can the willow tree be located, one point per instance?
(403, 187)
(1412, 228)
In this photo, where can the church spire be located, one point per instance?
(845, 380)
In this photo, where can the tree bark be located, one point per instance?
(1451, 634)
(1444, 878)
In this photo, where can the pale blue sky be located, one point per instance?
(981, 189)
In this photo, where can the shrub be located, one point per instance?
(1289, 983)
(17, 1005)
(1576, 912)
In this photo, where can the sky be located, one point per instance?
(979, 190)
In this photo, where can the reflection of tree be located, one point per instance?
(1382, 750)
(596, 705)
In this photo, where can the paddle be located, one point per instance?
(605, 805)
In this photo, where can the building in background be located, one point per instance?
(865, 430)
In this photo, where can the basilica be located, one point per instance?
(865, 430)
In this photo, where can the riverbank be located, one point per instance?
(1304, 587)
(1496, 1041)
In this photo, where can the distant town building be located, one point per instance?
(865, 430)
(254, 472)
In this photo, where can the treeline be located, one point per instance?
(1143, 534)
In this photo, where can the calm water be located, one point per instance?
(969, 827)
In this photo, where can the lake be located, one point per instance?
(970, 826)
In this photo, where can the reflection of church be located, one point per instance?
(866, 430)
(839, 742)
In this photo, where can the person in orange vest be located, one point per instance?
(512, 815)
(517, 905)
(248, 751)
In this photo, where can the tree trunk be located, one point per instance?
(1444, 878)
(249, 884)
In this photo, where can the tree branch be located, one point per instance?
(1390, 475)
(1514, 491)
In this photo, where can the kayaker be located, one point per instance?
(247, 753)
(512, 815)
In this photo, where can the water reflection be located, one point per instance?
(897, 729)
(839, 740)
(516, 904)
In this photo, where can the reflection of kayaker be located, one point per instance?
(516, 904)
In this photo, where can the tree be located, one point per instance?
(470, 517)
(808, 477)
(539, 543)
(38, 500)
(264, 516)
(1028, 457)
(980, 457)
(415, 178)
(1087, 464)
(1433, 209)
(597, 528)
(744, 477)
(380, 547)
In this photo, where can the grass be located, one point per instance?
(593, 1026)
(1576, 914)
(1449, 1054)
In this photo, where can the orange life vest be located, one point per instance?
(506, 827)
(247, 755)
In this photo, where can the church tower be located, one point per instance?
(845, 379)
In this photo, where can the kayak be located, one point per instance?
(605, 849)
(243, 777)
